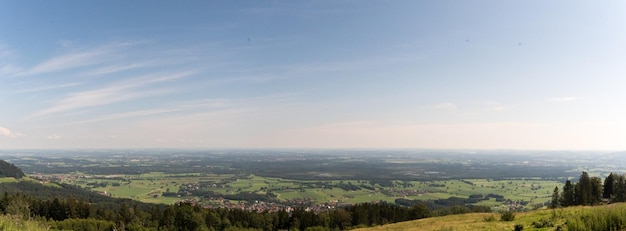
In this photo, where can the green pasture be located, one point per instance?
(149, 187)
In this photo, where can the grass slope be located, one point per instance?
(10, 223)
(608, 217)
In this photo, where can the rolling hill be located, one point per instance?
(606, 217)
(9, 170)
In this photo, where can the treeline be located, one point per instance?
(75, 214)
(442, 207)
(590, 191)
(40, 191)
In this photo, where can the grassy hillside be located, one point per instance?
(10, 223)
(609, 217)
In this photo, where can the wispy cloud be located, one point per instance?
(5, 51)
(6, 67)
(9, 69)
(46, 88)
(8, 133)
(115, 68)
(491, 105)
(195, 108)
(140, 113)
(68, 61)
(54, 137)
(118, 92)
(446, 106)
(563, 99)
(76, 59)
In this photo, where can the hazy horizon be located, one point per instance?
(512, 75)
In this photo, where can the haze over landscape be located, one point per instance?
(314, 74)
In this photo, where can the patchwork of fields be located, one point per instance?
(151, 187)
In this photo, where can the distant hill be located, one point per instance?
(9, 170)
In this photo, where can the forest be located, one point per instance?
(71, 213)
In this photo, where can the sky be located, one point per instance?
(527, 75)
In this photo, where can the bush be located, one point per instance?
(489, 218)
(543, 223)
(518, 227)
(507, 216)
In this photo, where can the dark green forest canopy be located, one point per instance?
(9, 170)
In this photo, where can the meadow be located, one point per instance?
(150, 187)
(607, 217)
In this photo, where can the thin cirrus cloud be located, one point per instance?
(446, 106)
(78, 59)
(181, 107)
(68, 61)
(46, 88)
(116, 68)
(118, 92)
(8, 133)
(54, 137)
(7, 68)
(207, 108)
(564, 99)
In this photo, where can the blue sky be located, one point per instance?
(313, 74)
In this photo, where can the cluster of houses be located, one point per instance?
(264, 206)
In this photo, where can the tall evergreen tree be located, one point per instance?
(583, 190)
(567, 197)
(555, 198)
(609, 185)
(619, 190)
(596, 190)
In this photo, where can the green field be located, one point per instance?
(149, 188)
(143, 187)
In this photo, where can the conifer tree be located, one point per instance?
(567, 198)
(583, 190)
(609, 185)
(619, 190)
(555, 198)
(596, 190)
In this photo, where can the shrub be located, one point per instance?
(543, 223)
(518, 227)
(507, 216)
(489, 218)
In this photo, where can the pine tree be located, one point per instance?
(567, 198)
(619, 190)
(596, 190)
(583, 190)
(609, 185)
(555, 198)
